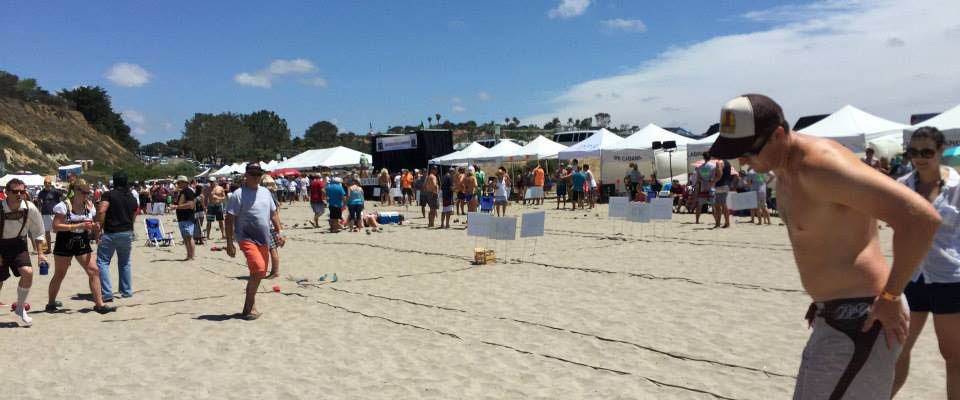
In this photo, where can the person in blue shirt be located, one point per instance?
(578, 179)
(335, 195)
(355, 205)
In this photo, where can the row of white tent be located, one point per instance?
(334, 157)
(610, 155)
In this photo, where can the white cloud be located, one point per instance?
(317, 81)
(483, 96)
(136, 120)
(456, 100)
(264, 78)
(839, 53)
(257, 80)
(128, 75)
(299, 66)
(458, 108)
(626, 25)
(168, 126)
(569, 9)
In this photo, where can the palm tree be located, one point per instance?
(516, 121)
(438, 118)
(430, 121)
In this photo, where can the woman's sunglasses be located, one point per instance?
(924, 153)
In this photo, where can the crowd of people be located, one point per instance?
(866, 313)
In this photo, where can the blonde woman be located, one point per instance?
(73, 221)
(384, 181)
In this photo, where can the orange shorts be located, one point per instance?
(258, 256)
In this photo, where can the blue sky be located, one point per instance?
(396, 62)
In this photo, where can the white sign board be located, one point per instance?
(535, 192)
(478, 224)
(662, 208)
(742, 201)
(504, 228)
(401, 142)
(376, 192)
(618, 207)
(395, 192)
(532, 224)
(639, 212)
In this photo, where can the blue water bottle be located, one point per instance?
(44, 267)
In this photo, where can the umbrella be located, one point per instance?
(284, 172)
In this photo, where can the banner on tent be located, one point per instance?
(533, 224)
(369, 182)
(742, 201)
(392, 143)
(376, 191)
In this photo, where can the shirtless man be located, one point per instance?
(830, 202)
(470, 191)
(213, 202)
(430, 186)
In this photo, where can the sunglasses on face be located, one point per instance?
(20, 192)
(923, 153)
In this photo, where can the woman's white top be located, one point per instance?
(942, 263)
(501, 188)
(73, 217)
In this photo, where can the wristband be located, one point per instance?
(889, 297)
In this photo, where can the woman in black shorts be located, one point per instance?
(73, 221)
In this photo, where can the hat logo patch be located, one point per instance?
(728, 122)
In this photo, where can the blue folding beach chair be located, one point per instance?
(486, 204)
(156, 237)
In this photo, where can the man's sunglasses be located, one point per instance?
(20, 192)
(924, 153)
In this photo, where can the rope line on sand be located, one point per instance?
(571, 331)
(745, 286)
(551, 357)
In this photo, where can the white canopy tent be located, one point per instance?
(269, 165)
(202, 174)
(460, 157)
(696, 149)
(226, 170)
(28, 179)
(947, 122)
(638, 148)
(856, 129)
(335, 157)
(540, 148)
(592, 146)
(500, 151)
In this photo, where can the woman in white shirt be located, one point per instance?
(935, 286)
(591, 186)
(501, 193)
(73, 221)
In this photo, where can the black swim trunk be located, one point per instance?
(336, 213)
(71, 244)
(407, 192)
(433, 200)
(13, 255)
(460, 196)
(576, 195)
(841, 361)
(938, 298)
(215, 212)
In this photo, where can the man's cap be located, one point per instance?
(337, 179)
(745, 120)
(254, 169)
(183, 179)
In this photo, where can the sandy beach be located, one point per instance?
(596, 309)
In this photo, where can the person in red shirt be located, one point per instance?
(317, 190)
